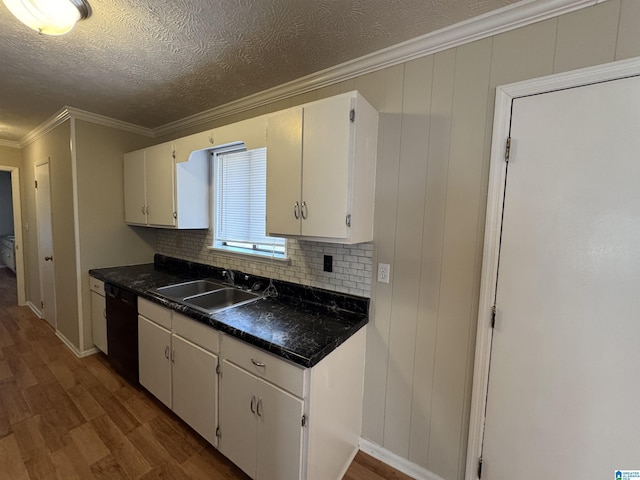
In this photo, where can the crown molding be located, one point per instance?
(9, 144)
(70, 112)
(508, 18)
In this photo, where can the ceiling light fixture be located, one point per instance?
(51, 17)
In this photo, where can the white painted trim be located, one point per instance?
(76, 230)
(73, 348)
(34, 309)
(396, 461)
(9, 144)
(69, 112)
(498, 21)
(497, 171)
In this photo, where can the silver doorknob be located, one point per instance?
(47, 259)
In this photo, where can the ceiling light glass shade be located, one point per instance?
(51, 17)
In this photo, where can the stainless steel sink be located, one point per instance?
(219, 299)
(188, 289)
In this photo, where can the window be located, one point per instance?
(239, 204)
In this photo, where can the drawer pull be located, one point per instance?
(258, 364)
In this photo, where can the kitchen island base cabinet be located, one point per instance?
(261, 426)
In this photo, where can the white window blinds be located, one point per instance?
(240, 199)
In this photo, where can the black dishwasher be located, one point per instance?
(122, 331)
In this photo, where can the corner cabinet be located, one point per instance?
(321, 163)
(162, 191)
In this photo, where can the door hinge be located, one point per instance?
(480, 467)
(218, 434)
(304, 420)
(348, 220)
(507, 150)
(352, 115)
(173, 154)
(493, 316)
(36, 183)
(218, 369)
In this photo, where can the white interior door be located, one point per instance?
(563, 386)
(45, 244)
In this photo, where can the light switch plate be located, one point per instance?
(384, 272)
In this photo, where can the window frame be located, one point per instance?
(257, 251)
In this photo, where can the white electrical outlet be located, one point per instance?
(384, 272)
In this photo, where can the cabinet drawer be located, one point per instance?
(196, 332)
(96, 285)
(154, 312)
(285, 375)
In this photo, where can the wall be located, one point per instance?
(436, 118)
(105, 240)
(55, 148)
(6, 204)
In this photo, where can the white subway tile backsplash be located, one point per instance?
(352, 264)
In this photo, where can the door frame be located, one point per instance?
(17, 231)
(497, 174)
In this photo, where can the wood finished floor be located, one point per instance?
(62, 417)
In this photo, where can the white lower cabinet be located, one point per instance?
(98, 314)
(195, 387)
(179, 365)
(275, 420)
(261, 426)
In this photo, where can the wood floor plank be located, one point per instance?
(124, 452)
(85, 402)
(89, 444)
(116, 411)
(108, 468)
(70, 464)
(11, 464)
(13, 403)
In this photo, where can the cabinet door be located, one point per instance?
(195, 387)
(134, 188)
(154, 347)
(279, 439)
(326, 155)
(237, 418)
(99, 321)
(284, 172)
(186, 145)
(252, 132)
(159, 165)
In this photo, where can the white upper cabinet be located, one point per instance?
(162, 192)
(321, 162)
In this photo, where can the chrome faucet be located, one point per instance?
(228, 276)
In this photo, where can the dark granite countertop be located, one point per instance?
(302, 324)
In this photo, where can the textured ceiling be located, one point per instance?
(150, 62)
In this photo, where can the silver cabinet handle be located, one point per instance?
(147, 210)
(104, 313)
(303, 210)
(48, 258)
(259, 407)
(296, 210)
(253, 404)
(258, 364)
(143, 212)
(166, 352)
(173, 356)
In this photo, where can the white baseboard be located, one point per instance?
(34, 309)
(396, 461)
(74, 349)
